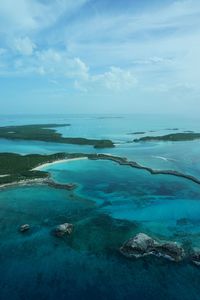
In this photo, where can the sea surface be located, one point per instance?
(111, 204)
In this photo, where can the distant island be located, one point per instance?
(137, 132)
(47, 133)
(172, 129)
(174, 137)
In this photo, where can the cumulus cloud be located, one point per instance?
(24, 45)
(155, 49)
(58, 64)
(116, 79)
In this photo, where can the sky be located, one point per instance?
(99, 56)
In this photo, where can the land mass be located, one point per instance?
(19, 169)
(15, 168)
(47, 133)
(174, 137)
(137, 132)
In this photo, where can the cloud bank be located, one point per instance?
(143, 53)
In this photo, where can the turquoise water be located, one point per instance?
(87, 264)
(157, 202)
(111, 204)
(179, 156)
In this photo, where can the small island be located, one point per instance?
(172, 129)
(137, 132)
(174, 137)
(47, 133)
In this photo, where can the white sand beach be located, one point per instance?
(57, 162)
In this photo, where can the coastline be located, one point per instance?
(39, 181)
(81, 156)
(23, 182)
(38, 168)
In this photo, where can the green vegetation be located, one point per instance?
(138, 132)
(104, 144)
(174, 137)
(172, 129)
(46, 133)
(19, 167)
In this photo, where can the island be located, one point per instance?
(25, 169)
(48, 133)
(174, 137)
(137, 132)
(19, 169)
(172, 129)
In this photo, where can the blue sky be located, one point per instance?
(100, 56)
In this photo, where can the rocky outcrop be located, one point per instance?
(143, 245)
(56, 185)
(63, 229)
(123, 161)
(195, 257)
(24, 228)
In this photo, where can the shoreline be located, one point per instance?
(23, 182)
(80, 156)
(39, 181)
(38, 168)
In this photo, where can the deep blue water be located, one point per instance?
(111, 204)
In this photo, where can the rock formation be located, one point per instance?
(143, 245)
(63, 229)
(24, 227)
(195, 257)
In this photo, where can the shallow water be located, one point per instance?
(179, 156)
(111, 204)
(157, 202)
(87, 264)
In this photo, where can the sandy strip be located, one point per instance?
(58, 162)
(23, 182)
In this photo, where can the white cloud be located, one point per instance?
(82, 67)
(58, 64)
(16, 16)
(24, 45)
(26, 15)
(156, 50)
(116, 79)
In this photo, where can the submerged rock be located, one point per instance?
(24, 227)
(143, 245)
(171, 251)
(195, 257)
(138, 246)
(63, 229)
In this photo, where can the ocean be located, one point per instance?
(111, 204)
